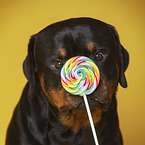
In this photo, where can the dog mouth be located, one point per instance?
(77, 102)
(99, 98)
(92, 103)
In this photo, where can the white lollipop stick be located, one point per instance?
(91, 119)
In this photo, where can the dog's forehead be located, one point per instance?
(74, 34)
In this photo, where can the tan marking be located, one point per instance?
(112, 85)
(62, 52)
(91, 46)
(75, 120)
(79, 118)
(58, 96)
(55, 96)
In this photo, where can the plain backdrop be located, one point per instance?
(20, 19)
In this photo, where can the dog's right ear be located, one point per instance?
(29, 65)
(123, 56)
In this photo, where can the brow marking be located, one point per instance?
(90, 46)
(62, 52)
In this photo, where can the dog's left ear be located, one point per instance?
(29, 65)
(124, 57)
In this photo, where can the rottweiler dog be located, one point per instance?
(48, 115)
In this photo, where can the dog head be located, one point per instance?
(53, 46)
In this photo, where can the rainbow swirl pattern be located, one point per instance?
(80, 76)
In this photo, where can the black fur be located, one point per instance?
(36, 121)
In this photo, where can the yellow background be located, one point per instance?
(20, 19)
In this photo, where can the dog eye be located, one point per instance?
(99, 56)
(58, 64)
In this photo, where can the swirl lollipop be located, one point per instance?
(80, 76)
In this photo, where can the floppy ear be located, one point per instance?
(29, 65)
(123, 56)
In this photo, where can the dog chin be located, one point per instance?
(75, 116)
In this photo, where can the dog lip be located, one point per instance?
(97, 100)
(78, 102)
(75, 101)
(93, 102)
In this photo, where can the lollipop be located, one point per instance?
(80, 76)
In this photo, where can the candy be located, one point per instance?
(80, 76)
